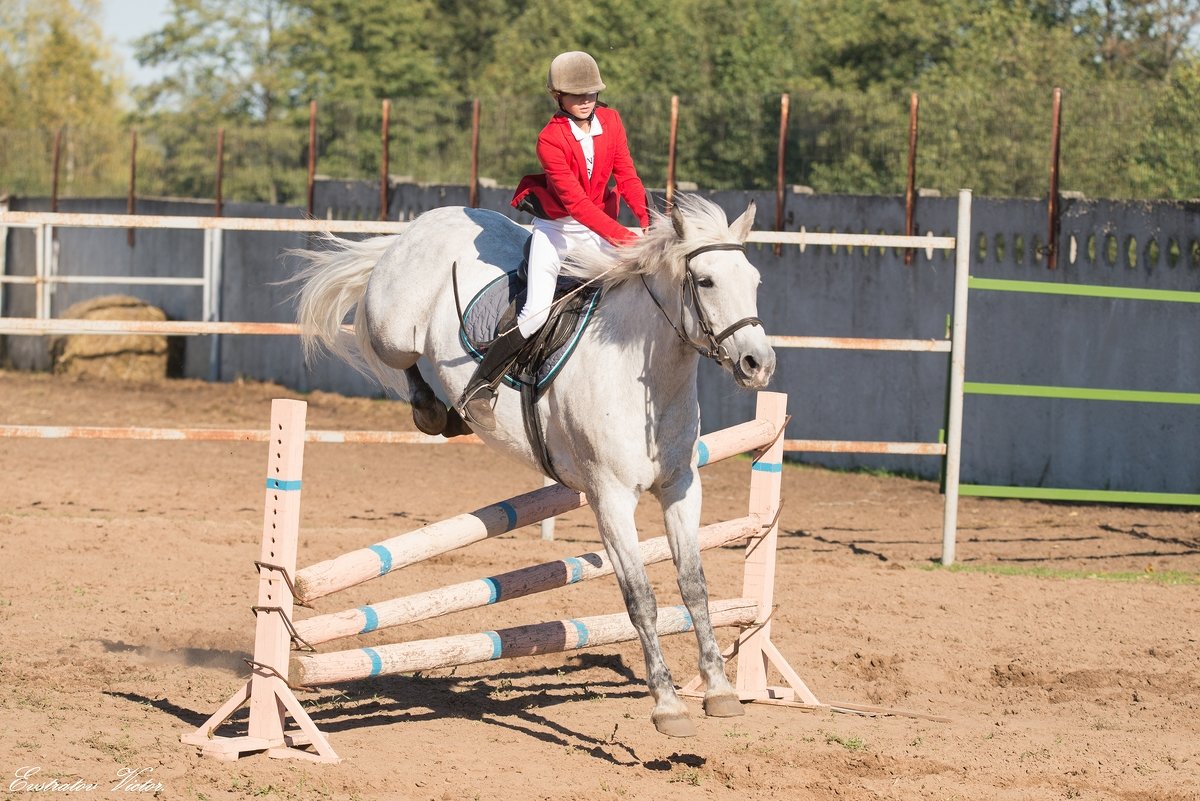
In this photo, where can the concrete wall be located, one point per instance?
(1012, 338)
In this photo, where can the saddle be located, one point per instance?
(494, 310)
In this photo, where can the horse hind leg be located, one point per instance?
(430, 415)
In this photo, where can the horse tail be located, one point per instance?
(332, 283)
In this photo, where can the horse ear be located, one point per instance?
(742, 225)
(679, 223)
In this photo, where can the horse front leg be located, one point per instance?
(681, 502)
(615, 516)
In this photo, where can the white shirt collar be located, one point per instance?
(596, 129)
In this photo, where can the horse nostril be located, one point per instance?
(749, 364)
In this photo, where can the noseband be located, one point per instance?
(715, 349)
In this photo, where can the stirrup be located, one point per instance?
(477, 407)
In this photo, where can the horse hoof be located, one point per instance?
(674, 724)
(431, 419)
(723, 706)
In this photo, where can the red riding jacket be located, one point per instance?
(565, 189)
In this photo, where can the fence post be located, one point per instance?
(219, 204)
(312, 152)
(1052, 210)
(3, 255)
(384, 130)
(131, 205)
(910, 189)
(474, 187)
(780, 197)
(671, 152)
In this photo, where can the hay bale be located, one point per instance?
(125, 357)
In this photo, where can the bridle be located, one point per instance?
(715, 349)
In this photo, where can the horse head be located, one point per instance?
(719, 290)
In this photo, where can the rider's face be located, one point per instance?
(578, 105)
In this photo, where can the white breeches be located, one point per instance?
(552, 241)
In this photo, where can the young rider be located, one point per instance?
(580, 149)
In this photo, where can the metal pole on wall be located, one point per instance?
(474, 187)
(54, 177)
(383, 160)
(1052, 210)
(220, 172)
(779, 177)
(312, 152)
(671, 152)
(910, 189)
(131, 206)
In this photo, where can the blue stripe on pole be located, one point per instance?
(376, 662)
(701, 454)
(575, 567)
(510, 513)
(768, 467)
(279, 484)
(497, 646)
(385, 558)
(493, 590)
(581, 631)
(372, 619)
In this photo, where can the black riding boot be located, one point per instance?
(479, 397)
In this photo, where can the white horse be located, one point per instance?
(622, 416)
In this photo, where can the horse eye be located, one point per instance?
(705, 283)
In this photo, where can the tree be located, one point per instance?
(1167, 161)
(223, 63)
(1138, 38)
(365, 50)
(219, 58)
(58, 73)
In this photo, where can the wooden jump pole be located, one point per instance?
(503, 587)
(312, 670)
(267, 691)
(437, 538)
(376, 560)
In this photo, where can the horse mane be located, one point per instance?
(660, 249)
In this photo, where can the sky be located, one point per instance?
(126, 20)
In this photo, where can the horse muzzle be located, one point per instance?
(754, 367)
